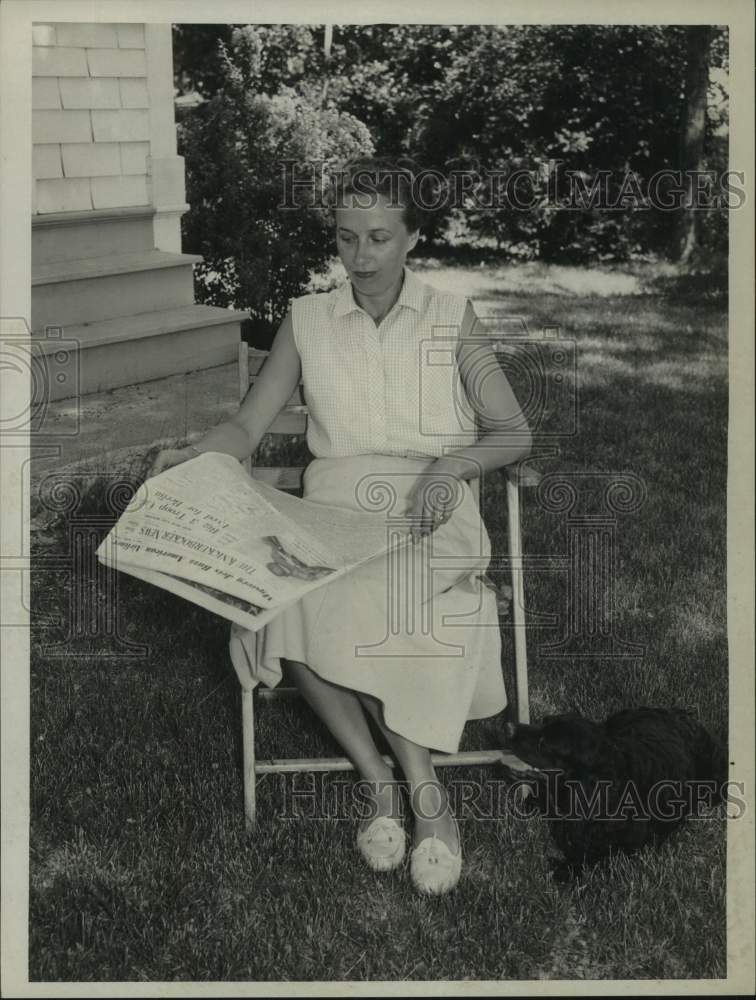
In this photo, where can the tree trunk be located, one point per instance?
(327, 43)
(692, 132)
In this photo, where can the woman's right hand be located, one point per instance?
(169, 457)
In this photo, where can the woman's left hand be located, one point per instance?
(432, 501)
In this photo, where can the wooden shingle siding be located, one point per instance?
(116, 62)
(46, 162)
(85, 92)
(56, 61)
(61, 126)
(134, 93)
(43, 34)
(45, 93)
(121, 126)
(86, 36)
(91, 116)
(103, 159)
(134, 157)
(66, 195)
(118, 192)
(107, 198)
(130, 36)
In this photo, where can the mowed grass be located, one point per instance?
(140, 868)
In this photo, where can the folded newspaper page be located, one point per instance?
(208, 532)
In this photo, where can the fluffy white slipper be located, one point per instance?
(382, 844)
(434, 870)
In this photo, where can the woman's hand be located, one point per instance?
(432, 501)
(169, 457)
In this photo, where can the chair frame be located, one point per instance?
(292, 420)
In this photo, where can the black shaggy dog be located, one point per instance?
(619, 785)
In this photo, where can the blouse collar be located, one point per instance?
(412, 295)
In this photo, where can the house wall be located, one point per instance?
(109, 280)
(90, 117)
(103, 130)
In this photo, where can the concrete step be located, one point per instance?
(90, 289)
(75, 235)
(94, 357)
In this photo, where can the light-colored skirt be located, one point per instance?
(417, 628)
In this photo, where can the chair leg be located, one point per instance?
(248, 757)
(518, 600)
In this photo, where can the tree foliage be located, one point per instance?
(592, 100)
(258, 252)
(592, 97)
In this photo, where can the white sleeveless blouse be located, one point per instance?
(394, 389)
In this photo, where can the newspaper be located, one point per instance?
(208, 532)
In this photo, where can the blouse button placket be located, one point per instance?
(376, 385)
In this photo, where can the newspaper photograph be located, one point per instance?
(208, 532)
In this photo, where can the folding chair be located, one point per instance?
(293, 420)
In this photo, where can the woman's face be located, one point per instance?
(373, 242)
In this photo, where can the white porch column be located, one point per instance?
(165, 168)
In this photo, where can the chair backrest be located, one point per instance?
(291, 420)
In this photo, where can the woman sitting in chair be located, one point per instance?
(395, 377)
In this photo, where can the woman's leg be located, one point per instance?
(427, 795)
(341, 711)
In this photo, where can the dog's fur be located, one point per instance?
(622, 761)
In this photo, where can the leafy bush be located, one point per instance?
(259, 253)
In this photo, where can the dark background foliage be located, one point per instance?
(625, 100)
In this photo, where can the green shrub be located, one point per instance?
(259, 254)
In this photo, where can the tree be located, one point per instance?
(692, 133)
(259, 246)
(197, 57)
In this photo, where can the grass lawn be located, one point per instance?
(140, 869)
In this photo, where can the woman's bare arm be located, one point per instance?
(241, 434)
(505, 437)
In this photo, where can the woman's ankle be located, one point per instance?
(429, 799)
(378, 798)
(433, 815)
